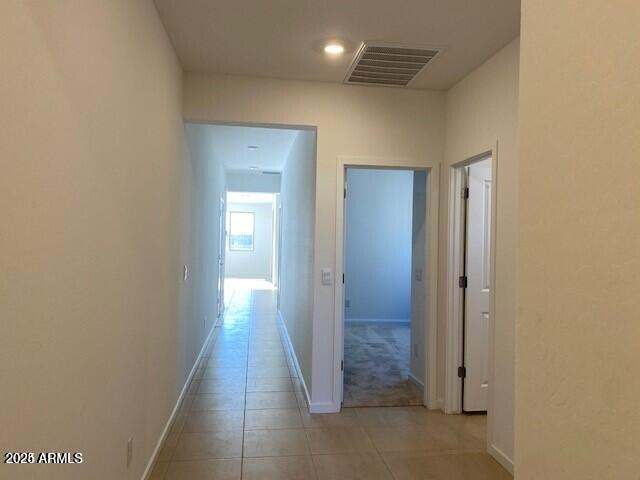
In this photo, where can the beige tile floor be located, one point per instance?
(245, 417)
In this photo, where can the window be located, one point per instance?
(241, 231)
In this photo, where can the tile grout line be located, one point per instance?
(246, 382)
(315, 467)
(306, 407)
(386, 465)
(375, 448)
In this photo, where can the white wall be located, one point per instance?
(378, 225)
(577, 333)
(419, 307)
(256, 263)
(253, 182)
(481, 110)
(298, 222)
(202, 191)
(98, 330)
(383, 124)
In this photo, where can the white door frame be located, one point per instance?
(431, 264)
(222, 249)
(275, 235)
(455, 268)
(279, 279)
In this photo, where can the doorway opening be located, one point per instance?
(469, 359)
(384, 308)
(248, 175)
(252, 236)
(252, 249)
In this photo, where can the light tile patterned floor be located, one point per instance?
(376, 365)
(244, 417)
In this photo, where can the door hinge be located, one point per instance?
(465, 192)
(342, 365)
(462, 372)
(345, 193)
(343, 278)
(462, 281)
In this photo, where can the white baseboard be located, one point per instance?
(167, 427)
(501, 457)
(377, 320)
(420, 385)
(324, 407)
(434, 405)
(416, 381)
(318, 407)
(292, 353)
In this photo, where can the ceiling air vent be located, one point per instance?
(388, 65)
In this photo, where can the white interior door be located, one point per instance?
(221, 250)
(477, 270)
(279, 280)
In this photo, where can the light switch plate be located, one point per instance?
(327, 276)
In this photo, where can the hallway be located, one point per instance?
(245, 417)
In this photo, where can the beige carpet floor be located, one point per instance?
(376, 365)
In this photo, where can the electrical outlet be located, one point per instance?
(129, 452)
(347, 303)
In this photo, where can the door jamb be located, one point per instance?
(431, 262)
(222, 238)
(455, 267)
(279, 279)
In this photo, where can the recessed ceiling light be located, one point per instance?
(252, 147)
(334, 48)
(253, 168)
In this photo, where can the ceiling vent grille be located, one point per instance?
(388, 65)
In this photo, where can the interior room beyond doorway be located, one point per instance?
(252, 236)
(383, 328)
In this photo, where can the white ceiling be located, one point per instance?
(284, 38)
(230, 145)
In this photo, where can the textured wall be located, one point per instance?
(97, 333)
(297, 199)
(578, 333)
